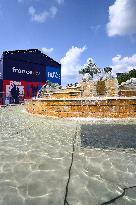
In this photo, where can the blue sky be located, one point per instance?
(71, 31)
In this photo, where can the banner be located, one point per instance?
(26, 90)
(23, 71)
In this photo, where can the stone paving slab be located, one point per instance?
(35, 156)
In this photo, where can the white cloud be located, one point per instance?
(60, 1)
(43, 16)
(71, 64)
(123, 64)
(122, 15)
(47, 50)
(32, 10)
(95, 28)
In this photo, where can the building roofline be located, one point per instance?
(31, 51)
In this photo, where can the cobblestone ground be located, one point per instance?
(35, 157)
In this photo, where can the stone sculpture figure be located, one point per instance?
(88, 70)
(107, 73)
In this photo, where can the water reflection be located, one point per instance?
(35, 155)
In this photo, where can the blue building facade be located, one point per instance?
(28, 70)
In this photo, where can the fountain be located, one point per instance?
(88, 99)
(101, 98)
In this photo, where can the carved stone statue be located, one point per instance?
(107, 73)
(88, 70)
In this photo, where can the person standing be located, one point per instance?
(15, 94)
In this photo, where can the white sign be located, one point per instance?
(54, 75)
(21, 71)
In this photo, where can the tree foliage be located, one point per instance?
(126, 76)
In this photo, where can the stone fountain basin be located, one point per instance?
(97, 107)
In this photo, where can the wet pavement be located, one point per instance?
(36, 154)
(109, 136)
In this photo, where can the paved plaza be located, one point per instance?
(36, 166)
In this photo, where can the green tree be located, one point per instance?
(126, 76)
(132, 73)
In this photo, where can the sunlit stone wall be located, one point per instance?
(70, 94)
(111, 87)
(101, 88)
(88, 89)
(106, 88)
(98, 108)
(127, 91)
